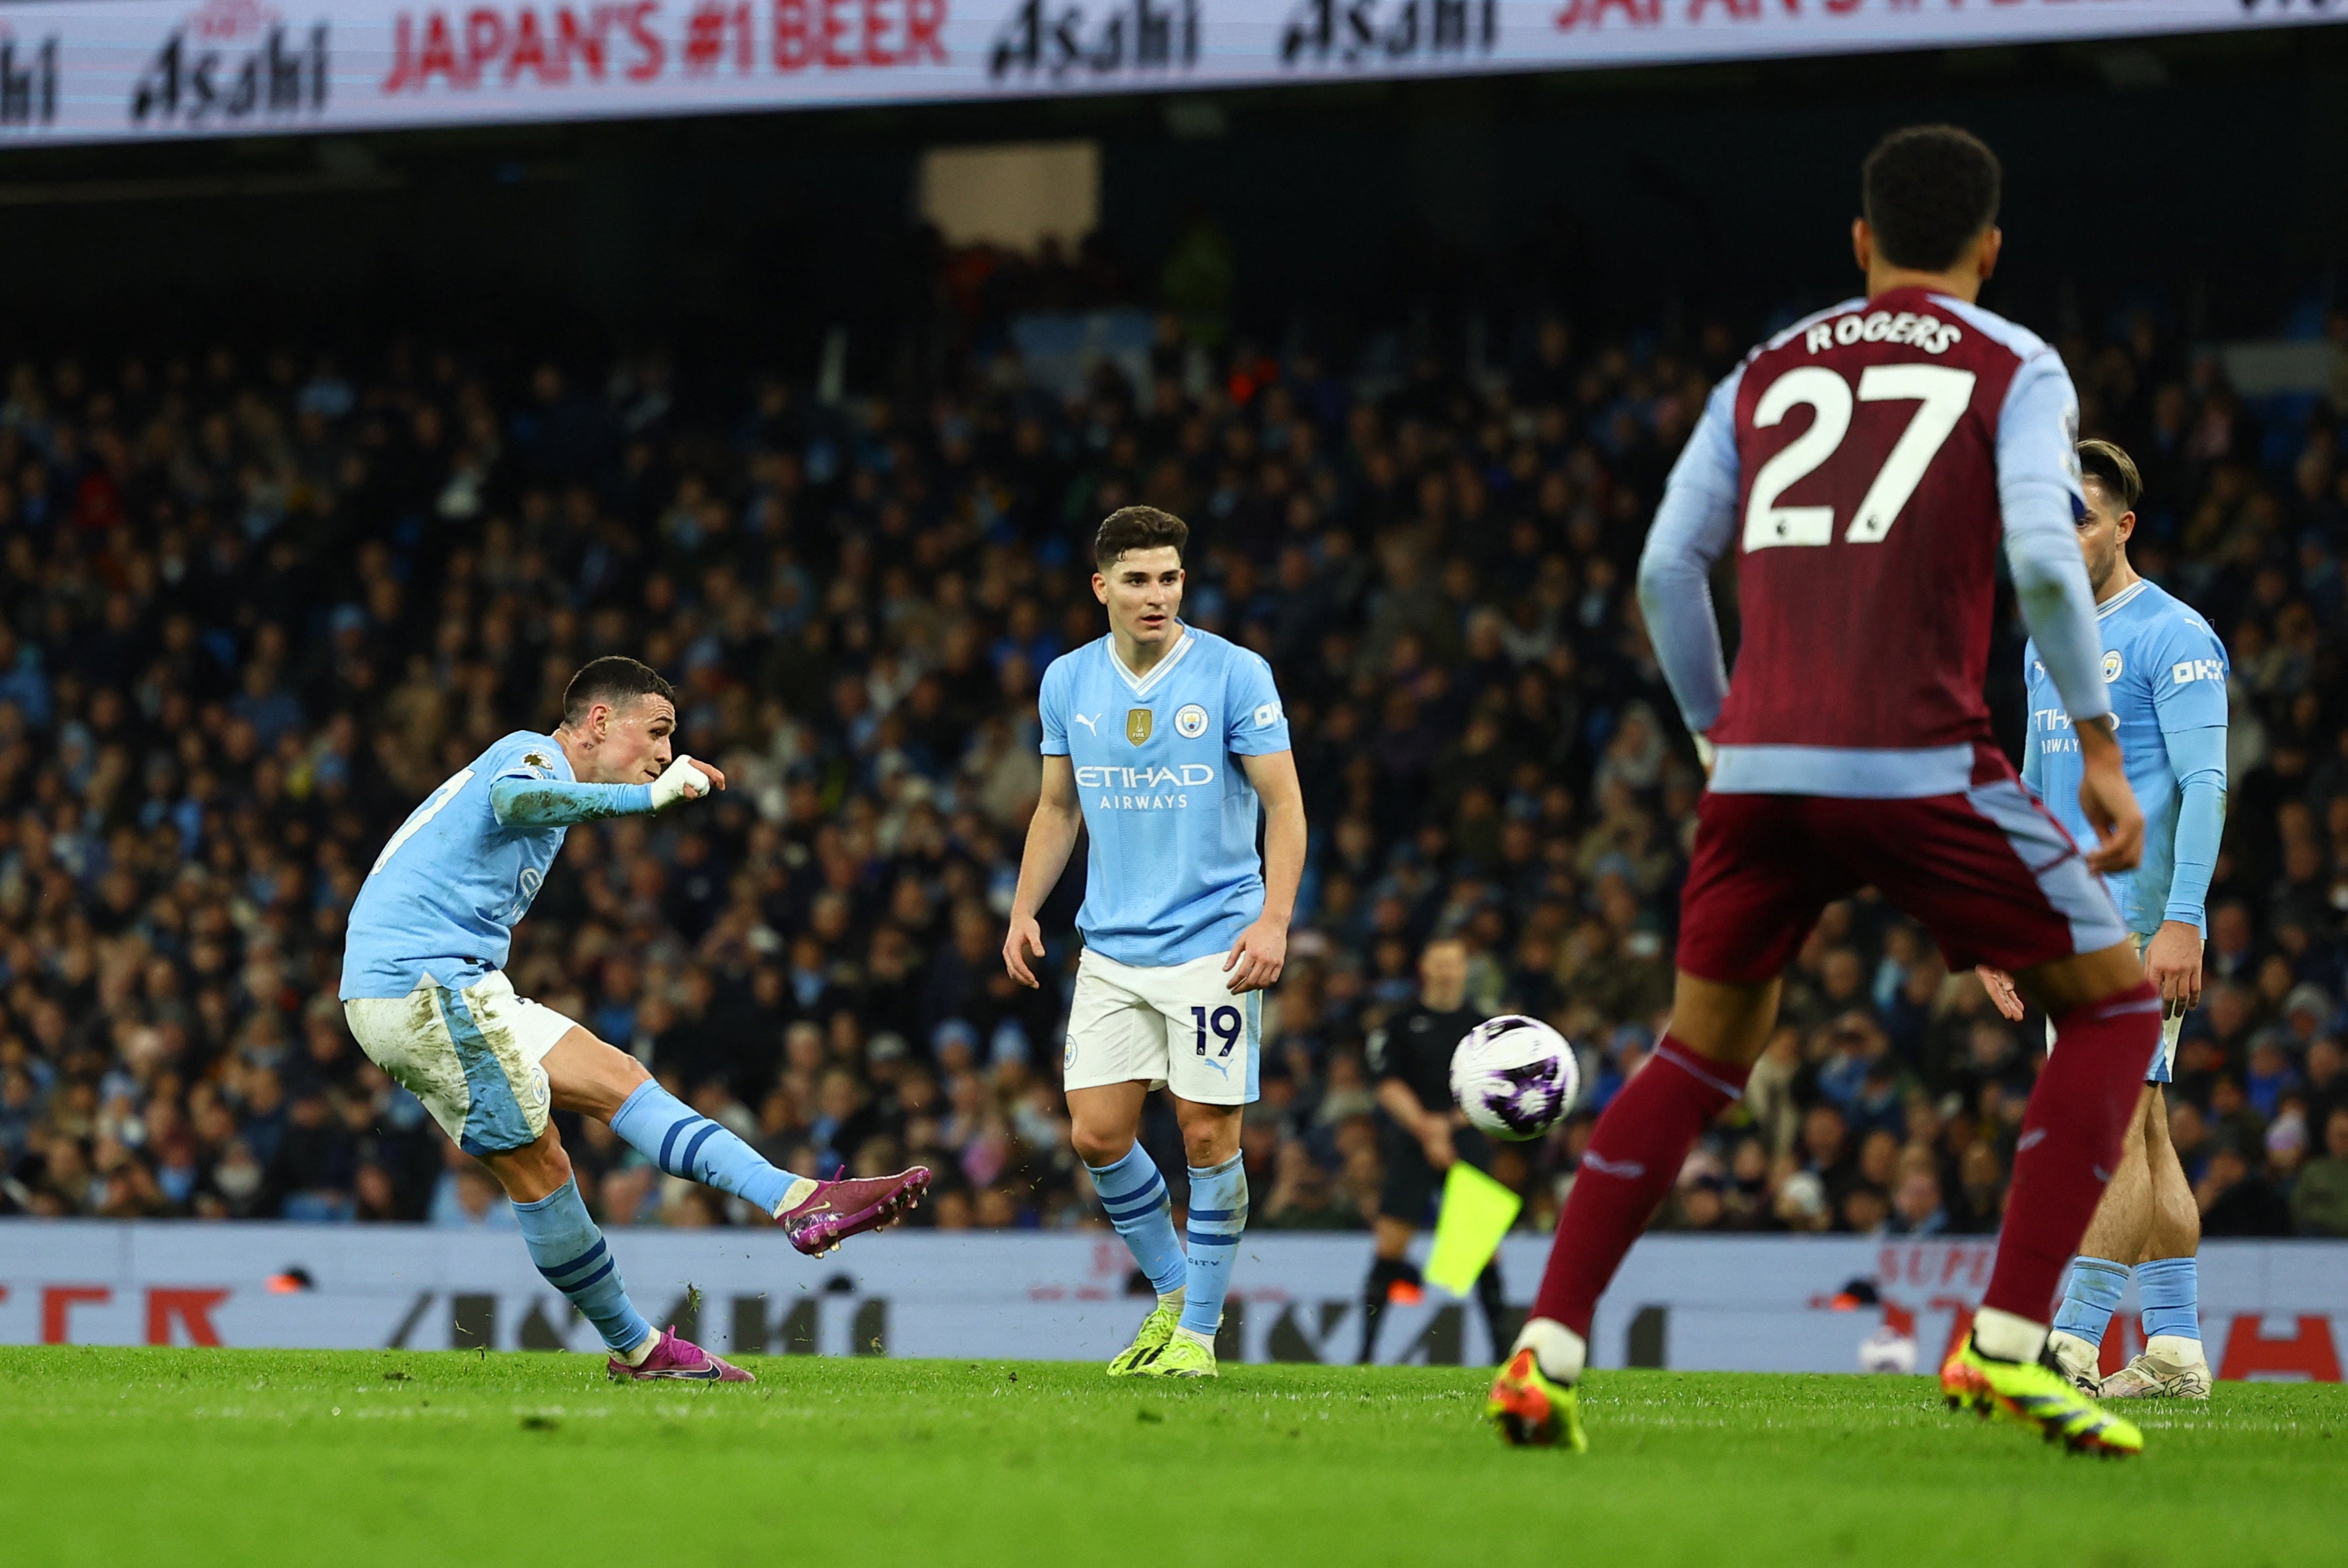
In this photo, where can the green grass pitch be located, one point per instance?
(357, 1457)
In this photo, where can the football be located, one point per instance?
(1887, 1350)
(1515, 1077)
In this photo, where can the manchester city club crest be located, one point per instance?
(1190, 721)
(2111, 666)
(1137, 725)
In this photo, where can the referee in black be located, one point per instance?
(1421, 1133)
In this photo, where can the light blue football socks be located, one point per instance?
(684, 1142)
(1219, 1211)
(1133, 1195)
(570, 1252)
(2170, 1291)
(2091, 1298)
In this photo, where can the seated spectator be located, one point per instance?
(1303, 1198)
(1981, 1200)
(1916, 1208)
(2236, 1199)
(2319, 1200)
(468, 1198)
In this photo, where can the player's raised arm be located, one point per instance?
(2038, 492)
(525, 799)
(1051, 838)
(1694, 524)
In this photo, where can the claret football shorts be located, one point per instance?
(1988, 872)
(474, 1056)
(1177, 1027)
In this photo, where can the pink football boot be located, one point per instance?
(676, 1360)
(836, 1211)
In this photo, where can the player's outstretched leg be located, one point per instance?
(570, 1250)
(816, 1216)
(1634, 1155)
(2073, 1132)
(1133, 1195)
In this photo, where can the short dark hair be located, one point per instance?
(616, 679)
(1138, 528)
(2114, 470)
(1927, 192)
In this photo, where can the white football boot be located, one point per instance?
(2171, 1367)
(2078, 1361)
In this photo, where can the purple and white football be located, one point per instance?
(1515, 1077)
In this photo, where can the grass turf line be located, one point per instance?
(121, 1456)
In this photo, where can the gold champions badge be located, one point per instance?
(1137, 725)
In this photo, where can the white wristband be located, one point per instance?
(682, 781)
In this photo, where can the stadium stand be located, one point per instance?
(255, 605)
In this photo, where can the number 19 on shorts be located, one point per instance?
(1225, 1023)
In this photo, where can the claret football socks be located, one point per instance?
(1634, 1155)
(2072, 1132)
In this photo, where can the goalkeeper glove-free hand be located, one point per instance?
(682, 781)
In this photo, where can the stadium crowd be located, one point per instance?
(255, 606)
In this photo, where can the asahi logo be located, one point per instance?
(1043, 38)
(233, 61)
(28, 80)
(1368, 32)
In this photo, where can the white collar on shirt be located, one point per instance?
(1141, 684)
(2108, 605)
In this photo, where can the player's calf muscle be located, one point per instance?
(535, 1170)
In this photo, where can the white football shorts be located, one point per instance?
(2164, 1060)
(472, 1055)
(1177, 1027)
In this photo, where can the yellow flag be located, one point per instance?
(1476, 1212)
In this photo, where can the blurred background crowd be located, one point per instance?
(256, 603)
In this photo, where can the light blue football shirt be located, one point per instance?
(2166, 672)
(450, 886)
(1173, 875)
